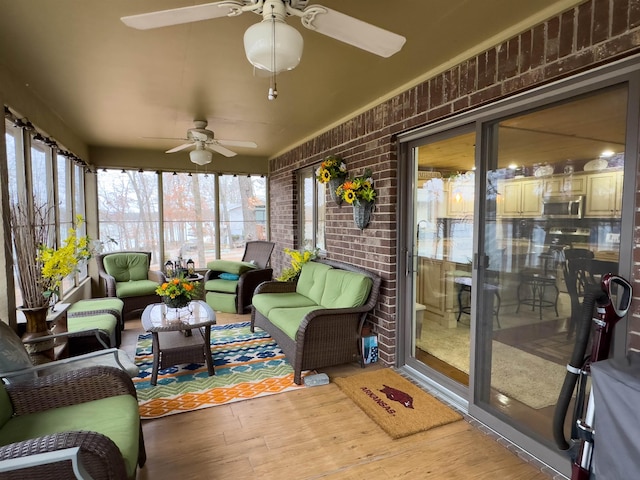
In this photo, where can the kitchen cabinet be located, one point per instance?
(604, 194)
(565, 185)
(460, 196)
(520, 197)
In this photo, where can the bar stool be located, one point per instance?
(536, 282)
(464, 285)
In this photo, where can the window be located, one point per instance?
(312, 211)
(37, 170)
(201, 217)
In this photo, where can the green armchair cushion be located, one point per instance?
(13, 355)
(221, 302)
(289, 319)
(115, 417)
(136, 288)
(125, 267)
(219, 285)
(265, 302)
(94, 304)
(345, 289)
(230, 266)
(312, 280)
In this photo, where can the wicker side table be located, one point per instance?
(177, 344)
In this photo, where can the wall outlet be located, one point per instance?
(613, 238)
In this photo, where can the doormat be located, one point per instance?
(398, 406)
(247, 365)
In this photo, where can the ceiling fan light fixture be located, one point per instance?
(200, 156)
(259, 46)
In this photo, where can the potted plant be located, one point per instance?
(178, 292)
(298, 259)
(41, 268)
(360, 193)
(332, 171)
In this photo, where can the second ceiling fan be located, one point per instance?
(206, 144)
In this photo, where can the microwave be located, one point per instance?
(562, 207)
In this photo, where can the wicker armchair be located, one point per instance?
(326, 337)
(136, 294)
(53, 453)
(235, 296)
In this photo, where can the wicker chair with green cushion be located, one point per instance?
(317, 321)
(89, 416)
(229, 285)
(104, 314)
(127, 276)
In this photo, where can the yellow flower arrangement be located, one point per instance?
(358, 189)
(297, 260)
(57, 264)
(178, 287)
(330, 168)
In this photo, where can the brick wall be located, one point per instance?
(593, 33)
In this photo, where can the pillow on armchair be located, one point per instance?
(230, 266)
(125, 267)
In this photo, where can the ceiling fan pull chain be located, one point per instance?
(273, 91)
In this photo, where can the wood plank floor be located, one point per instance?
(313, 433)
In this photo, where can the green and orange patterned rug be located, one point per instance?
(248, 365)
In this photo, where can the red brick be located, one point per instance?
(487, 68)
(435, 91)
(567, 34)
(620, 16)
(552, 43)
(634, 14)
(524, 61)
(537, 46)
(583, 31)
(600, 29)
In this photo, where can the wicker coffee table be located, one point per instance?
(178, 344)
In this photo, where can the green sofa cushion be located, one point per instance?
(221, 302)
(219, 285)
(345, 289)
(230, 266)
(6, 408)
(96, 304)
(125, 267)
(116, 417)
(289, 319)
(312, 280)
(265, 302)
(136, 289)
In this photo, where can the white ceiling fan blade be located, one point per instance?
(177, 16)
(237, 143)
(220, 149)
(350, 30)
(180, 147)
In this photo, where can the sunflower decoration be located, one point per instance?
(358, 189)
(331, 167)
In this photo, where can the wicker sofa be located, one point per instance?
(317, 321)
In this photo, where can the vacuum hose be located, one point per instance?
(576, 363)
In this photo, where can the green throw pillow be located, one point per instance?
(230, 266)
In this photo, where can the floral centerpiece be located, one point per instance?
(360, 193)
(298, 259)
(178, 292)
(332, 171)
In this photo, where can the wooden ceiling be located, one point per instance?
(579, 130)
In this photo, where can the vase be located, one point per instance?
(334, 183)
(178, 302)
(37, 327)
(362, 214)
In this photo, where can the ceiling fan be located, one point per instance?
(206, 144)
(273, 45)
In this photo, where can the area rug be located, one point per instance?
(398, 406)
(527, 378)
(247, 365)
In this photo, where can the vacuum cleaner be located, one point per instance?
(611, 301)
